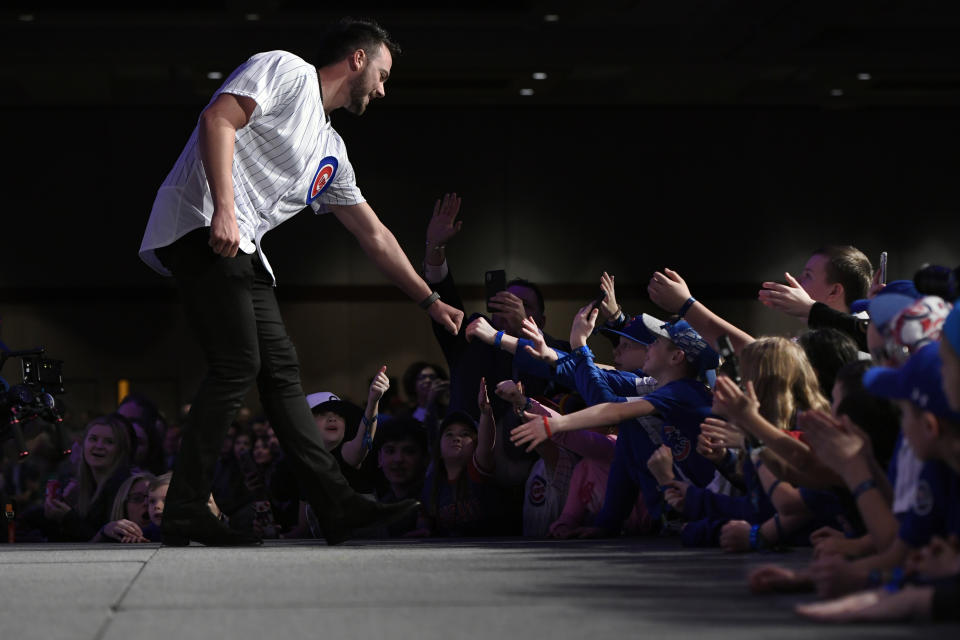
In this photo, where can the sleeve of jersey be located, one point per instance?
(271, 79)
(598, 385)
(926, 516)
(525, 363)
(343, 191)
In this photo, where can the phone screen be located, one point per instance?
(883, 267)
(494, 282)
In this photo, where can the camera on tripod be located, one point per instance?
(32, 399)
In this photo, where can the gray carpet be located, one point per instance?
(403, 589)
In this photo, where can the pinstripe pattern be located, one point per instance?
(275, 159)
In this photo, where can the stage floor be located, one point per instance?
(499, 589)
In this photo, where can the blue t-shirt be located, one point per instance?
(936, 506)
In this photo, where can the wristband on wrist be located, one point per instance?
(367, 438)
(862, 488)
(756, 540)
(435, 246)
(429, 300)
(497, 340)
(546, 427)
(686, 306)
(773, 487)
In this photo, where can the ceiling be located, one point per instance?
(709, 52)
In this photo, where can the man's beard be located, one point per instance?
(358, 93)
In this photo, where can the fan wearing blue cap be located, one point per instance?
(669, 415)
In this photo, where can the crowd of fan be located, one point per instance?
(846, 437)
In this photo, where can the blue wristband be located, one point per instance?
(686, 306)
(862, 488)
(755, 537)
(496, 341)
(367, 438)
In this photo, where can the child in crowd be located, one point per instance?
(459, 498)
(131, 513)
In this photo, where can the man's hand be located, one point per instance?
(790, 298)
(224, 233)
(539, 350)
(668, 290)
(480, 330)
(660, 464)
(378, 386)
(772, 578)
(834, 575)
(446, 316)
(444, 224)
(609, 305)
(583, 324)
(509, 310)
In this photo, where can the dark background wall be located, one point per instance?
(730, 191)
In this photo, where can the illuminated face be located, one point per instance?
(136, 504)
(813, 279)
(332, 428)
(913, 422)
(369, 83)
(458, 442)
(100, 447)
(629, 355)
(157, 498)
(660, 357)
(402, 462)
(950, 372)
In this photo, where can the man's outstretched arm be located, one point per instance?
(382, 247)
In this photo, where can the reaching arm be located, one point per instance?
(534, 432)
(670, 292)
(383, 249)
(356, 450)
(486, 431)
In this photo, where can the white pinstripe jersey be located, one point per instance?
(286, 158)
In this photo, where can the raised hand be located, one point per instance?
(668, 290)
(710, 449)
(790, 298)
(443, 224)
(608, 307)
(483, 398)
(735, 536)
(830, 441)
(583, 324)
(730, 401)
(379, 385)
(511, 392)
(531, 433)
(539, 350)
(509, 310)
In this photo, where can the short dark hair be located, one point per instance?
(848, 266)
(402, 429)
(347, 35)
(411, 373)
(520, 282)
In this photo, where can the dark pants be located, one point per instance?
(231, 307)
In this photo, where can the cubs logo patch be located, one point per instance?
(538, 491)
(679, 444)
(322, 179)
(923, 500)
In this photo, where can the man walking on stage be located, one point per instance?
(264, 149)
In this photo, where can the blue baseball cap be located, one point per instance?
(690, 342)
(918, 380)
(638, 329)
(893, 298)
